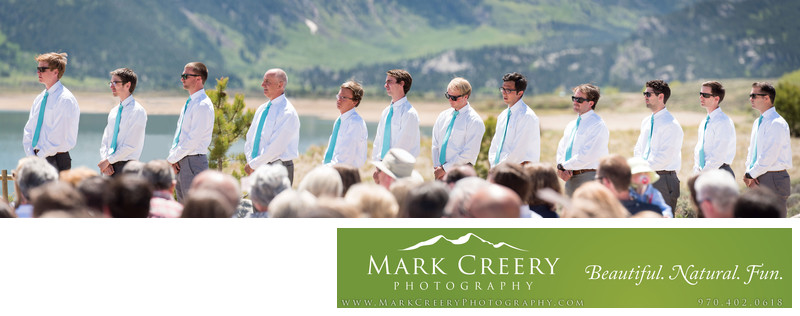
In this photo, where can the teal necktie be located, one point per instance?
(572, 139)
(646, 153)
(329, 153)
(41, 119)
(257, 141)
(443, 152)
(497, 156)
(180, 124)
(755, 143)
(387, 133)
(116, 130)
(702, 154)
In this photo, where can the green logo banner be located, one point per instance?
(564, 268)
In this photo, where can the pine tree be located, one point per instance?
(230, 124)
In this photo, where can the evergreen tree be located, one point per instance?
(230, 124)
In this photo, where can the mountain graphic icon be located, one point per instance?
(460, 241)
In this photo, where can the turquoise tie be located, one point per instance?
(41, 119)
(180, 124)
(329, 153)
(116, 130)
(257, 141)
(646, 153)
(755, 143)
(572, 139)
(387, 133)
(702, 154)
(497, 156)
(443, 152)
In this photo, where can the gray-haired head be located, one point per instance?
(322, 181)
(33, 172)
(133, 167)
(461, 194)
(268, 182)
(720, 188)
(159, 173)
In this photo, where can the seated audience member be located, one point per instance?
(642, 189)
(128, 197)
(513, 176)
(214, 180)
(322, 181)
(397, 164)
(542, 176)
(614, 173)
(268, 181)
(458, 173)
(494, 201)
(461, 194)
(594, 200)
(372, 200)
(93, 191)
(57, 196)
(31, 173)
(400, 189)
(717, 192)
(425, 201)
(292, 204)
(133, 167)
(75, 175)
(758, 202)
(350, 176)
(327, 207)
(161, 177)
(206, 203)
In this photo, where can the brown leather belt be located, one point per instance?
(784, 170)
(665, 172)
(577, 172)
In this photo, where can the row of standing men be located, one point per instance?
(52, 127)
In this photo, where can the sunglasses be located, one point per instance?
(42, 69)
(753, 95)
(648, 93)
(579, 100)
(706, 95)
(186, 76)
(452, 97)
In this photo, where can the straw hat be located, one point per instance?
(398, 164)
(639, 165)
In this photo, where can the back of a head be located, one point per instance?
(426, 201)
(615, 168)
(133, 167)
(291, 204)
(458, 173)
(494, 201)
(461, 194)
(74, 176)
(159, 173)
(56, 196)
(268, 181)
(402, 187)
(349, 174)
(593, 200)
(757, 202)
(204, 203)
(542, 176)
(512, 176)
(129, 197)
(720, 189)
(223, 183)
(322, 181)
(372, 200)
(33, 172)
(94, 191)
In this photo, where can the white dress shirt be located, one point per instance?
(465, 138)
(405, 129)
(665, 146)
(591, 143)
(196, 130)
(280, 134)
(59, 131)
(774, 145)
(130, 139)
(351, 142)
(720, 141)
(522, 138)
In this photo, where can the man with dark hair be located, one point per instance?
(716, 135)
(399, 124)
(513, 176)
(93, 191)
(615, 174)
(757, 202)
(348, 142)
(56, 196)
(188, 154)
(426, 201)
(128, 197)
(458, 173)
(516, 138)
(585, 140)
(52, 127)
(770, 152)
(660, 141)
(123, 138)
(160, 175)
(274, 134)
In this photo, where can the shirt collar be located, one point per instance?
(716, 112)
(128, 101)
(197, 96)
(661, 113)
(55, 88)
(588, 113)
(770, 113)
(348, 114)
(465, 109)
(400, 102)
(518, 106)
(279, 100)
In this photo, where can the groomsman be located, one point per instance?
(399, 124)
(770, 152)
(660, 141)
(52, 127)
(274, 134)
(516, 138)
(123, 138)
(348, 142)
(716, 135)
(188, 154)
(457, 132)
(585, 140)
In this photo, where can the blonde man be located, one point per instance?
(52, 127)
(348, 142)
(457, 132)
